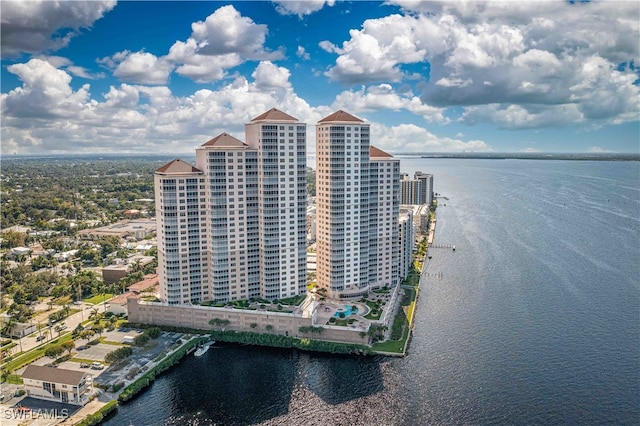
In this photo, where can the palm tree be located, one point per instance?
(94, 315)
(98, 329)
(9, 325)
(137, 265)
(112, 322)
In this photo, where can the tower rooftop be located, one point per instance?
(178, 166)
(275, 115)
(341, 116)
(378, 153)
(225, 140)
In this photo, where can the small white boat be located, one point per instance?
(203, 349)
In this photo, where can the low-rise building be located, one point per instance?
(149, 283)
(113, 273)
(118, 305)
(19, 329)
(57, 384)
(136, 229)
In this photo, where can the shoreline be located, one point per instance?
(105, 405)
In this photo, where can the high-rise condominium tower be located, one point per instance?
(357, 201)
(426, 188)
(234, 227)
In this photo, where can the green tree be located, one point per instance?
(11, 239)
(68, 346)
(118, 354)
(86, 334)
(54, 351)
(98, 329)
(58, 329)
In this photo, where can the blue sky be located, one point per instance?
(165, 77)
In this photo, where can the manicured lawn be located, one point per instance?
(394, 346)
(14, 379)
(401, 322)
(98, 298)
(343, 322)
(373, 306)
(413, 279)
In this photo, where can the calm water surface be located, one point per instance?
(534, 319)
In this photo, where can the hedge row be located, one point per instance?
(98, 416)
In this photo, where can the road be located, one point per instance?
(29, 342)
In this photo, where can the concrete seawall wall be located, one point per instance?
(198, 317)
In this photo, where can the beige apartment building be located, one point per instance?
(357, 202)
(233, 226)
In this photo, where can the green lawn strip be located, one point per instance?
(98, 298)
(393, 346)
(293, 301)
(13, 379)
(8, 346)
(82, 360)
(401, 326)
(34, 354)
(109, 342)
(343, 322)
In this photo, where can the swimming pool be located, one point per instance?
(347, 310)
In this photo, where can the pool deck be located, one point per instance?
(330, 307)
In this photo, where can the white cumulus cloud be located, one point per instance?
(301, 8)
(526, 62)
(39, 26)
(412, 138)
(225, 39)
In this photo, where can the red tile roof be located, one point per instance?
(340, 116)
(148, 282)
(276, 115)
(122, 298)
(178, 166)
(225, 140)
(378, 153)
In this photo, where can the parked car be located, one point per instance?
(97, 366)
(40, 337)
(63, 326)
(84, 365)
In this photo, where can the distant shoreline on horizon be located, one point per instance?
(581, 156)
(577, 156)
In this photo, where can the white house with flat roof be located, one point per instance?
(57, 384)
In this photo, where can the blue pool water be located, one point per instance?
(348, 310)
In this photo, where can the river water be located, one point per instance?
(534, 319)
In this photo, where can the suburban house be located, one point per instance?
(57, 384)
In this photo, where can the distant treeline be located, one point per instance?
(604, 156)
